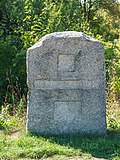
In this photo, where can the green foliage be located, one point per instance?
(112, 51)
(12, 71)
(3, 118)
(113, 124)
(15, 121)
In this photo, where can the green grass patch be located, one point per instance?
(30, 146)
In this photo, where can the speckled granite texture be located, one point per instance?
(66, 85)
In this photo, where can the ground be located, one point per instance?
(22, 146)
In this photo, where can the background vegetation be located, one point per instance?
(24, 22)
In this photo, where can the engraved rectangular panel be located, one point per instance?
(66, 112)
(84, 84)
(66, 63)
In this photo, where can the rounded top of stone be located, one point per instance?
(63, 35)
(68, 34)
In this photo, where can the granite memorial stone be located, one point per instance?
(66, 85)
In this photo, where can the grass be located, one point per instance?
(30, 146)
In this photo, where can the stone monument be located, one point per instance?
(66, 85)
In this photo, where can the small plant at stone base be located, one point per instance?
(113, 124)
(12, 122)
(4, 117)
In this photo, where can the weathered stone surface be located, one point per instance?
(66, 83)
